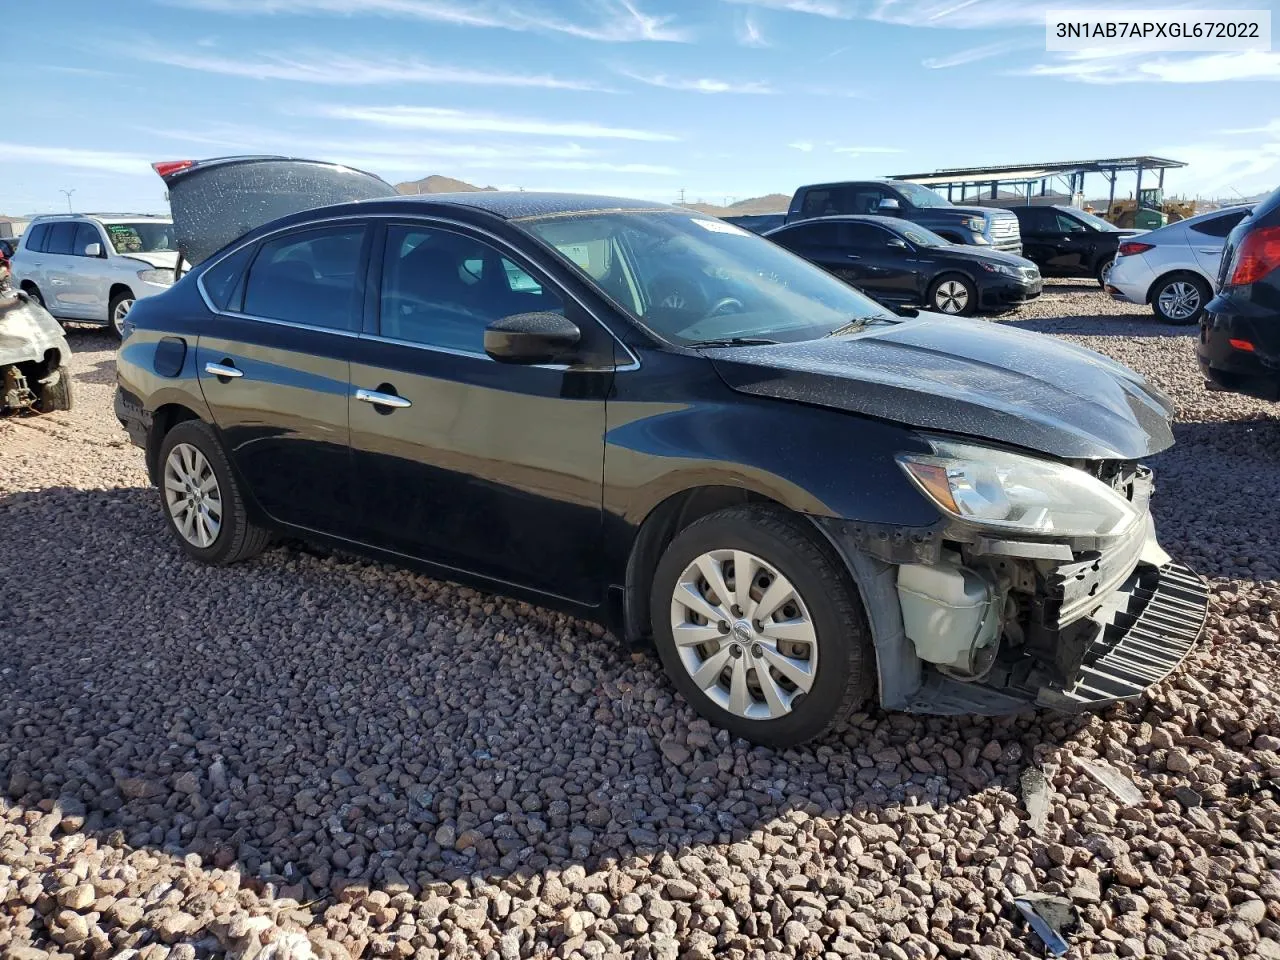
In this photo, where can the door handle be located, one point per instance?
(1209, 249)
(223, 370)
(382, 399)
(852, 256)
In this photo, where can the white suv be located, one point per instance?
(91, 267)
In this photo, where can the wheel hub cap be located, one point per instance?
(192, 495)
(952, 297)
(1179, 300)
(744, 634)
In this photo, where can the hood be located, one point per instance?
(27, 330)
(159, 258)
(964, 251)
(216, 201)
(958, 212)
(973, 378)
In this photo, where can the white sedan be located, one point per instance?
(1174, 268)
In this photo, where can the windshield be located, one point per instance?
(924, 238)
(921, 196)
(691, 279)
(142, 237)
(1096, 222)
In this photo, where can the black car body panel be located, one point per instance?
(1063, 243)
(980, 226)
(967, 377)
(561, 482)
(1239, 346)
(859, 251)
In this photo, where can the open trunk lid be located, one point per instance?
(215, 201)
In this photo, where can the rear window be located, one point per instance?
(36, 236)
(62, 236)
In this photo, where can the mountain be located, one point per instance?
(771, 203)
(438, 184)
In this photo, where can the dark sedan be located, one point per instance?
(1239, 347)
(1066, 242)
(654, 419)
(900, 263)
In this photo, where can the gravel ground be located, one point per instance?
(343, 759)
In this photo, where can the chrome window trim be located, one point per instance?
(634, 364)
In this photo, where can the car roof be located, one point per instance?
(103, 217)
(896, 223)
(520, 204)
(845, 183)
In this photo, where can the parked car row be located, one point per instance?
(659, 421)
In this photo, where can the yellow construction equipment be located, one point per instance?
(1150, 211)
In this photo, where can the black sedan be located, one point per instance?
(656, 420)
(1239, 347)
(1066, 242)
(900, 263)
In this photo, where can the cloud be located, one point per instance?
(943, 14)
(613, 21)
(338, 69)
(699, 85)
(857, 151)
(975, 54)
(466, 121)
(803, 146)
(102, 160)
(1085, 67)
(748, 32)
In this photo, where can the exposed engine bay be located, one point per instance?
(34, 377)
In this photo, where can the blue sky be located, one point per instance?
(723, 98)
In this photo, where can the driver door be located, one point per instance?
(491, 468)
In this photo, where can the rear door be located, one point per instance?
(60, 264)
(487, 467)
(275, 373)
(1041, 238)
(888, 272)
(1209, 237)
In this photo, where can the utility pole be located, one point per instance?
(682, 196)
(67, 194)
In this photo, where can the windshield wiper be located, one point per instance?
(853, 326)
(732, 342)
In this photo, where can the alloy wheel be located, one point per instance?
(1179, 300)
(192, 495)
(119, 313)
(1105, 275)
(744, 634)
(951, 297)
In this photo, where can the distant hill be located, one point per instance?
(438, 184)
(771, 203)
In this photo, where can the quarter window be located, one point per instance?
(310, 278)
(37, 235)
(62, 237)
(1220, 226)
(441, 289)
(221, 282)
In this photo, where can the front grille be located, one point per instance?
(1005, 234)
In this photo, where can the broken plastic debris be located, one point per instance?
(1186, 796)
(1035, 797)
(1120, 786)
(1050, 917)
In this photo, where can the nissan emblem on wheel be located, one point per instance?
(653, 419)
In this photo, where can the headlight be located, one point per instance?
(994, 488)
(1002, 268)
(162, 277)
(976, 224)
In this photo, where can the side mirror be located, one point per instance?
(888, 206)
(93, 250)
(531, 338)
(898, 243)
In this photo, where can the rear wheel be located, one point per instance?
(1180, 298)
(202, 500)
(1104, 271)
(953, 294)
(32, 291)
(759, 626)
(118, 309)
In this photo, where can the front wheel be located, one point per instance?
(1180, 299)
(202, 500)
(118, 309)
(954, 295)
(759, 626)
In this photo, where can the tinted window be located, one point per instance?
(62, 237)
(1070, 224)
(1220, 226)
(813, 235)
(867, 200)
(36, 237)
(86, 233)
(221, 282)
(441, 289)
(1037, 219)
(866, 236)
(820, 203)
(309, 278)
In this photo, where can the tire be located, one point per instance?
(235, 537)
(1103, 273)
(1179, 298)
(34, 293)
(954, 295)
(837, 664)
(117, 309)
(57, 396)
